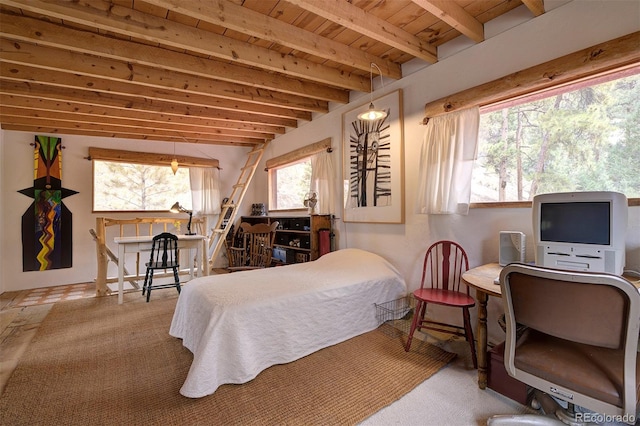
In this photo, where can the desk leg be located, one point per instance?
(203, 259)
(120, 273)
(482, 338)
(191, 267)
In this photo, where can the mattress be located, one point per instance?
(236, 325)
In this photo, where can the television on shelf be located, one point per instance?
(582, 231)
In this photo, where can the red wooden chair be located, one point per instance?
(444, 264)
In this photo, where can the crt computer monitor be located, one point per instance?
(583, 231)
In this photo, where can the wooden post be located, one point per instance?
(101, 278)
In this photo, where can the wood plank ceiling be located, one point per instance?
(232, 72)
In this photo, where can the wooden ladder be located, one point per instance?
(230, 207)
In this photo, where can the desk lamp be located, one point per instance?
(177, 208)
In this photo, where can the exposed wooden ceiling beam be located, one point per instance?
(135, 103)
(107, 134)
(19, 72)
(154, 133)
(247, 21)
(356, 19)
(210, 71)
(535, 6)
(41, 114)
(125, 21)
(280, 90)
(454, 15)
(103, 113)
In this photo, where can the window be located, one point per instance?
(580, 138)
(119, 186)
(289, 185)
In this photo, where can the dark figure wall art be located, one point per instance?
(47, 223)
(373, 163)
(370, 173)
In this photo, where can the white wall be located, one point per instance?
(17, 174)
(564, 29)
(569, 27)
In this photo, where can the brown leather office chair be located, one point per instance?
(580, 345)
(255, 247)
(444, 264)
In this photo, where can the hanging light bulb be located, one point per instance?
(174, 162)
(372, 113)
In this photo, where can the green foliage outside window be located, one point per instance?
(583, 140)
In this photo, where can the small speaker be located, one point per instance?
(512, 247)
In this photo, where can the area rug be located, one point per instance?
(94, 362)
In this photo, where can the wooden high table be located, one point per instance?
(482, 279)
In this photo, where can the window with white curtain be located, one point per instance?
(446, 162)
(289, 185)
(295, 175)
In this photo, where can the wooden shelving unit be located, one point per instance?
(298, 238)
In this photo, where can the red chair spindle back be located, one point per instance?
(444, 264)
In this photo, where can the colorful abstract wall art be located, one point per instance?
(47, 223)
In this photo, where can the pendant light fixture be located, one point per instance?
(174, 162)
(372, 113)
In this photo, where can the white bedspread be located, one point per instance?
(239, 324)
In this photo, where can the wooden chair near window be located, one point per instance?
(251, 246)
(164, 255)
(444, 264)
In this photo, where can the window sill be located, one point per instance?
(525, 204)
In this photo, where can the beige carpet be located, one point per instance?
(93, 362)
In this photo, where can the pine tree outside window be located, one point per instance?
(580, 138)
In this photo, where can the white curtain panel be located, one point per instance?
(323, 182)
(205, 190)
(446, 161)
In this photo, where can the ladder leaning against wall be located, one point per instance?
(230, 207)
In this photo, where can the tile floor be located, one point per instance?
(39, 296)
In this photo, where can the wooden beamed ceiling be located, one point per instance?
(232, 72)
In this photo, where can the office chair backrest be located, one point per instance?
(590, 313)
(598, 314)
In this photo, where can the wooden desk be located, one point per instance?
(482, 279)
(143, 243)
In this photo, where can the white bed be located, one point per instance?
(239, 324)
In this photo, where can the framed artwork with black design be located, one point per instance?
(373, 163)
